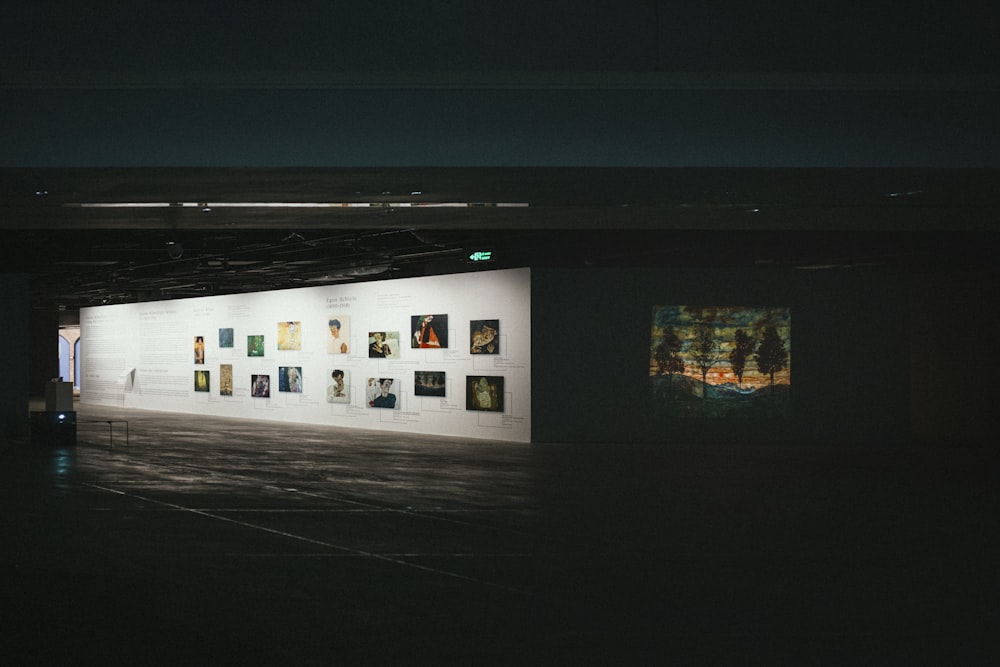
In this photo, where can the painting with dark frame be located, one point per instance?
(290, 379)
(484, 393)
(429, 331)
(484, 337)
(202, 381)
(429, 383)
(260, 386)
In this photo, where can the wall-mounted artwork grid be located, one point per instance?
(318, 355)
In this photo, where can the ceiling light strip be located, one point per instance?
(204, 205)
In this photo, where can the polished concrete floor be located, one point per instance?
(215, 541)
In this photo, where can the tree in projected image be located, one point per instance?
(743, 347)
(771, 355)
(667, 355)
(705, 348)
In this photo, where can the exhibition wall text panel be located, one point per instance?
(441, 355)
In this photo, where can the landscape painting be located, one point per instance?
(255, 346)
(720, 362)
(429, 383)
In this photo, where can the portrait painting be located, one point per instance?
(255, 346)
(428, 383)
(484, 337)
(290, 379)
(260, 386)
(225, 379)
(382, 393)
(289, 335)
(429, 331)
(484, 392)
(199, 349)
(339, 334)
(202, 381)
(338, 388)
(383, 344)
(225, 338)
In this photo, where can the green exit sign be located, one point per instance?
(481, 256)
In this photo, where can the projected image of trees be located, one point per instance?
(720, 361)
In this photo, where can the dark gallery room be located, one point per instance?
(625, 333)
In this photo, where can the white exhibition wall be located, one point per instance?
(195, 355)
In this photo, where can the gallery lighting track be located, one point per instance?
(271, 204)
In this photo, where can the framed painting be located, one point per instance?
(226, 380)
(289, 335)
(429, 331)
(383, 344)
(484, 392)
(484, 337)
(339, 328)
(381, 393)
(338, 388)
(290, 379)
(260, 386)
(429, 383)
(255, 346)
(202, 381)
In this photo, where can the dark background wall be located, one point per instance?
(14, 363)
(43, 349)
(954, 326)
(852, 353)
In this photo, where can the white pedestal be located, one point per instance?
(59, 396)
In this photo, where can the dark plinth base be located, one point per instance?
(54, 428)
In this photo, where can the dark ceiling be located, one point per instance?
(727, 134)
(174, 233)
